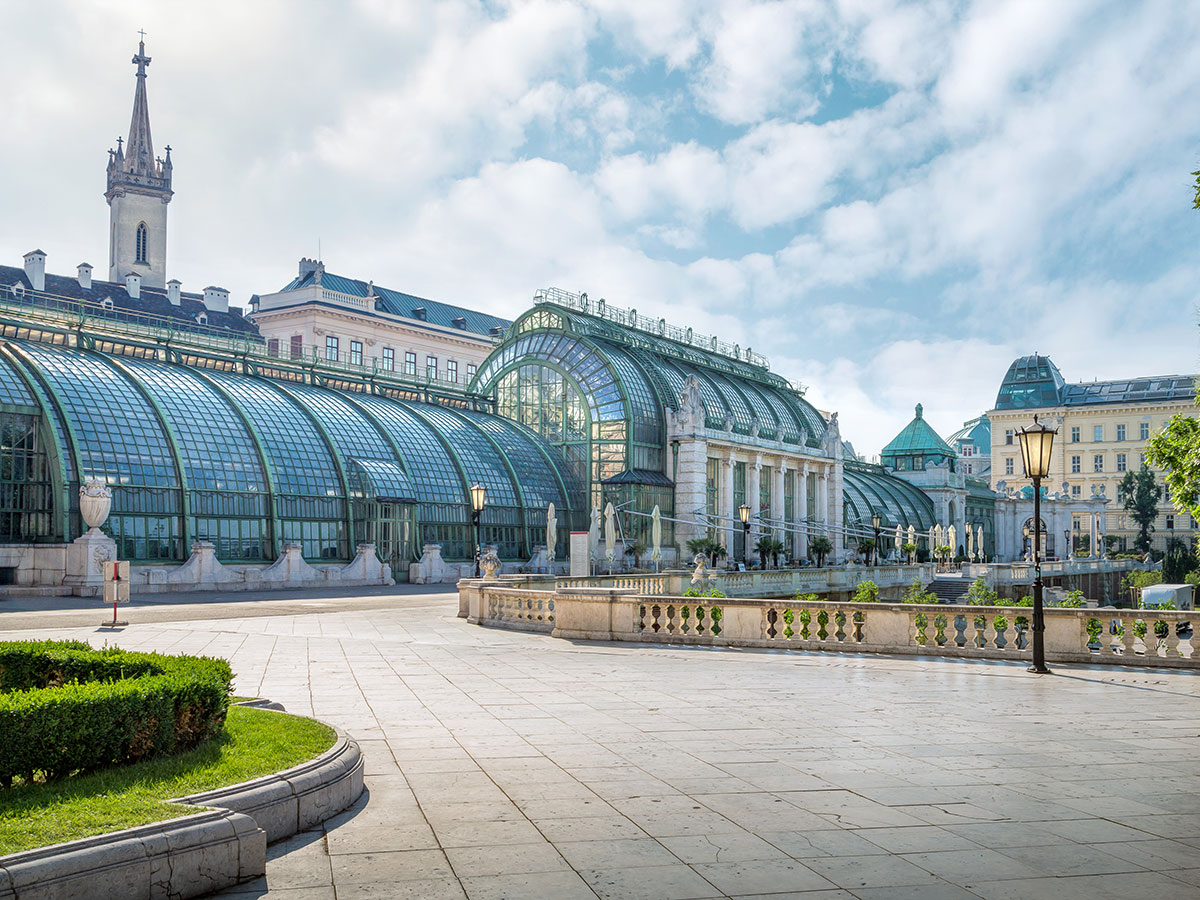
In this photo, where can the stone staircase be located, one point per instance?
(950, 589)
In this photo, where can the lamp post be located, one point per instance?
(876, 521)
(1036, 443)
(478, 501)
(744, 515)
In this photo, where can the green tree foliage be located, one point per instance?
(1180, 559)
(910, 551)
(1139, 579)
(820, 547)
(1140, 493)
(769, 548)
(1196, 199)
(916, 593)
(636, 550)
(866, 592)
(1176, 450)
(714, 550)
(979, 594)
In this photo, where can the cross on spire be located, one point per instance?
(141, 60)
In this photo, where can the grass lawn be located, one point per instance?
(255, 742)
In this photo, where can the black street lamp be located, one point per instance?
(1036, 443)
(478, 501)
(744, 515)
(876, 521)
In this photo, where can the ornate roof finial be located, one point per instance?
(920, 411)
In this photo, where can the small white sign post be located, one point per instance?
(116, 589)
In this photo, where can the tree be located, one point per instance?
(1179, 560)
(820, 546)
(866, 592)
(865, 546)
(1140, 493)
(980, 594)
(636, 550)
(909, 551)
(769, 548)
(1196, 200)
(710, 548)
(1176, 450)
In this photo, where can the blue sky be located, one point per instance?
(891, 200)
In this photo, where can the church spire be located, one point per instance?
(139, 155)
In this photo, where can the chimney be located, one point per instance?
(173, 291)
(85, 276)
(35, 269)
(307, 265)
(216, 299)
(133, 285)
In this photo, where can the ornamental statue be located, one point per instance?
(95, 502)
(489, 562)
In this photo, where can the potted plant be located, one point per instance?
(769, 548)
(820, 547)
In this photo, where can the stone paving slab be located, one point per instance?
(508, 765)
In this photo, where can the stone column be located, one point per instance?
(753, 489)
(726, 501)
(690, 491)
(823, 512)
(777, 503)
(802, 510)
(1093, 522)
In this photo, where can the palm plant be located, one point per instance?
(714, 550)
(636, 549)
(769, 548)
(820, 547)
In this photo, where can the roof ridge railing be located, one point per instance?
(631, 318)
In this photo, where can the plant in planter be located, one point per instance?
(714, 550)
(636, 550)
(820, 547)
(910, 552)
(769, 548)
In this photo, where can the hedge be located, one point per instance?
(66, 708)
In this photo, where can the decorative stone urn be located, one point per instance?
(95, 502)
(489, 563)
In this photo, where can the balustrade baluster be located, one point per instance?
(1171, 642)
(970, 635)
(1150, 638)
(989, 631)
(1126, 640)
(672, 625)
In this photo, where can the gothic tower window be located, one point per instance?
(141, 242)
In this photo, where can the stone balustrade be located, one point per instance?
(1107, 635)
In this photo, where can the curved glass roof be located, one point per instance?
(1032, 382)
(867, 489)
(977, 431)
(276, 461)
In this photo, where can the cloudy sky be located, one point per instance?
(891, 200)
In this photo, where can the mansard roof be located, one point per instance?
(409, 306)
(66, 293)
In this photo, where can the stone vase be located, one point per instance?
(95, 503)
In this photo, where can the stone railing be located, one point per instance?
(1023, 572)
(1109, 636)
(765, 582)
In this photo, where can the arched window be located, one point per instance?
(141, 242)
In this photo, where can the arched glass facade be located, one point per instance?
(251, 463)
(868, 489)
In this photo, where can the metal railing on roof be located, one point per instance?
(631, 318)
(64, 313)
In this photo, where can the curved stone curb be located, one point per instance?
(197, 854)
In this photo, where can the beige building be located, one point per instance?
(1103, 428)
(359, 325)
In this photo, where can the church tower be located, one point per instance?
(139, 189)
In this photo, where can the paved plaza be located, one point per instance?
(511, 765)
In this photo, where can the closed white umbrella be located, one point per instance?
(950, 540)
(970, 542)
(912, 535)
(551, 533)
(932, 538)
(899, 540)
(610, 534)
(656, 536)
(979, 541)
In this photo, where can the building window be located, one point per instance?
(1142, 460)
(431, 368)
(1075, 435)
(1008, 437)
(1075, 465)
(142, 241)
(1120, 462)
(410, 363)
(1097, 433)
(1193, 524)
(1170, 522)
(389, 359)
(1098, 462)
(296, 346)
(1120, 432)
(331, 347)
(1144, 431)
(1008, 466)
(1166, 492)
(356, 352)
(1076, 490)
(273, 347)
(452, 370)
(471, 368)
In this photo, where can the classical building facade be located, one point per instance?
(1103, 427)
(357, 323)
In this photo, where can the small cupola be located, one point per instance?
(133, 285)
(85, 276)
(173, 287)
(35, 269)
(216, 299)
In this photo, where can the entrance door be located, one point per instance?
(394, 530)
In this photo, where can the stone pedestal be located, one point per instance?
(432, 569)
(202, 568)
(367, 568)
(86, 556)
(290, 568)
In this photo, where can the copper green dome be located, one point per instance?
(915, 445)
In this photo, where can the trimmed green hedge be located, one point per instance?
(66, 708)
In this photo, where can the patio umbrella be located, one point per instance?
(656, 535)
(594, 534)
(932, 537)
(610, 534)
(899, 539)
(551, 533)
(951, 533)
(912, 535)
(979, 541)
(970, 541)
